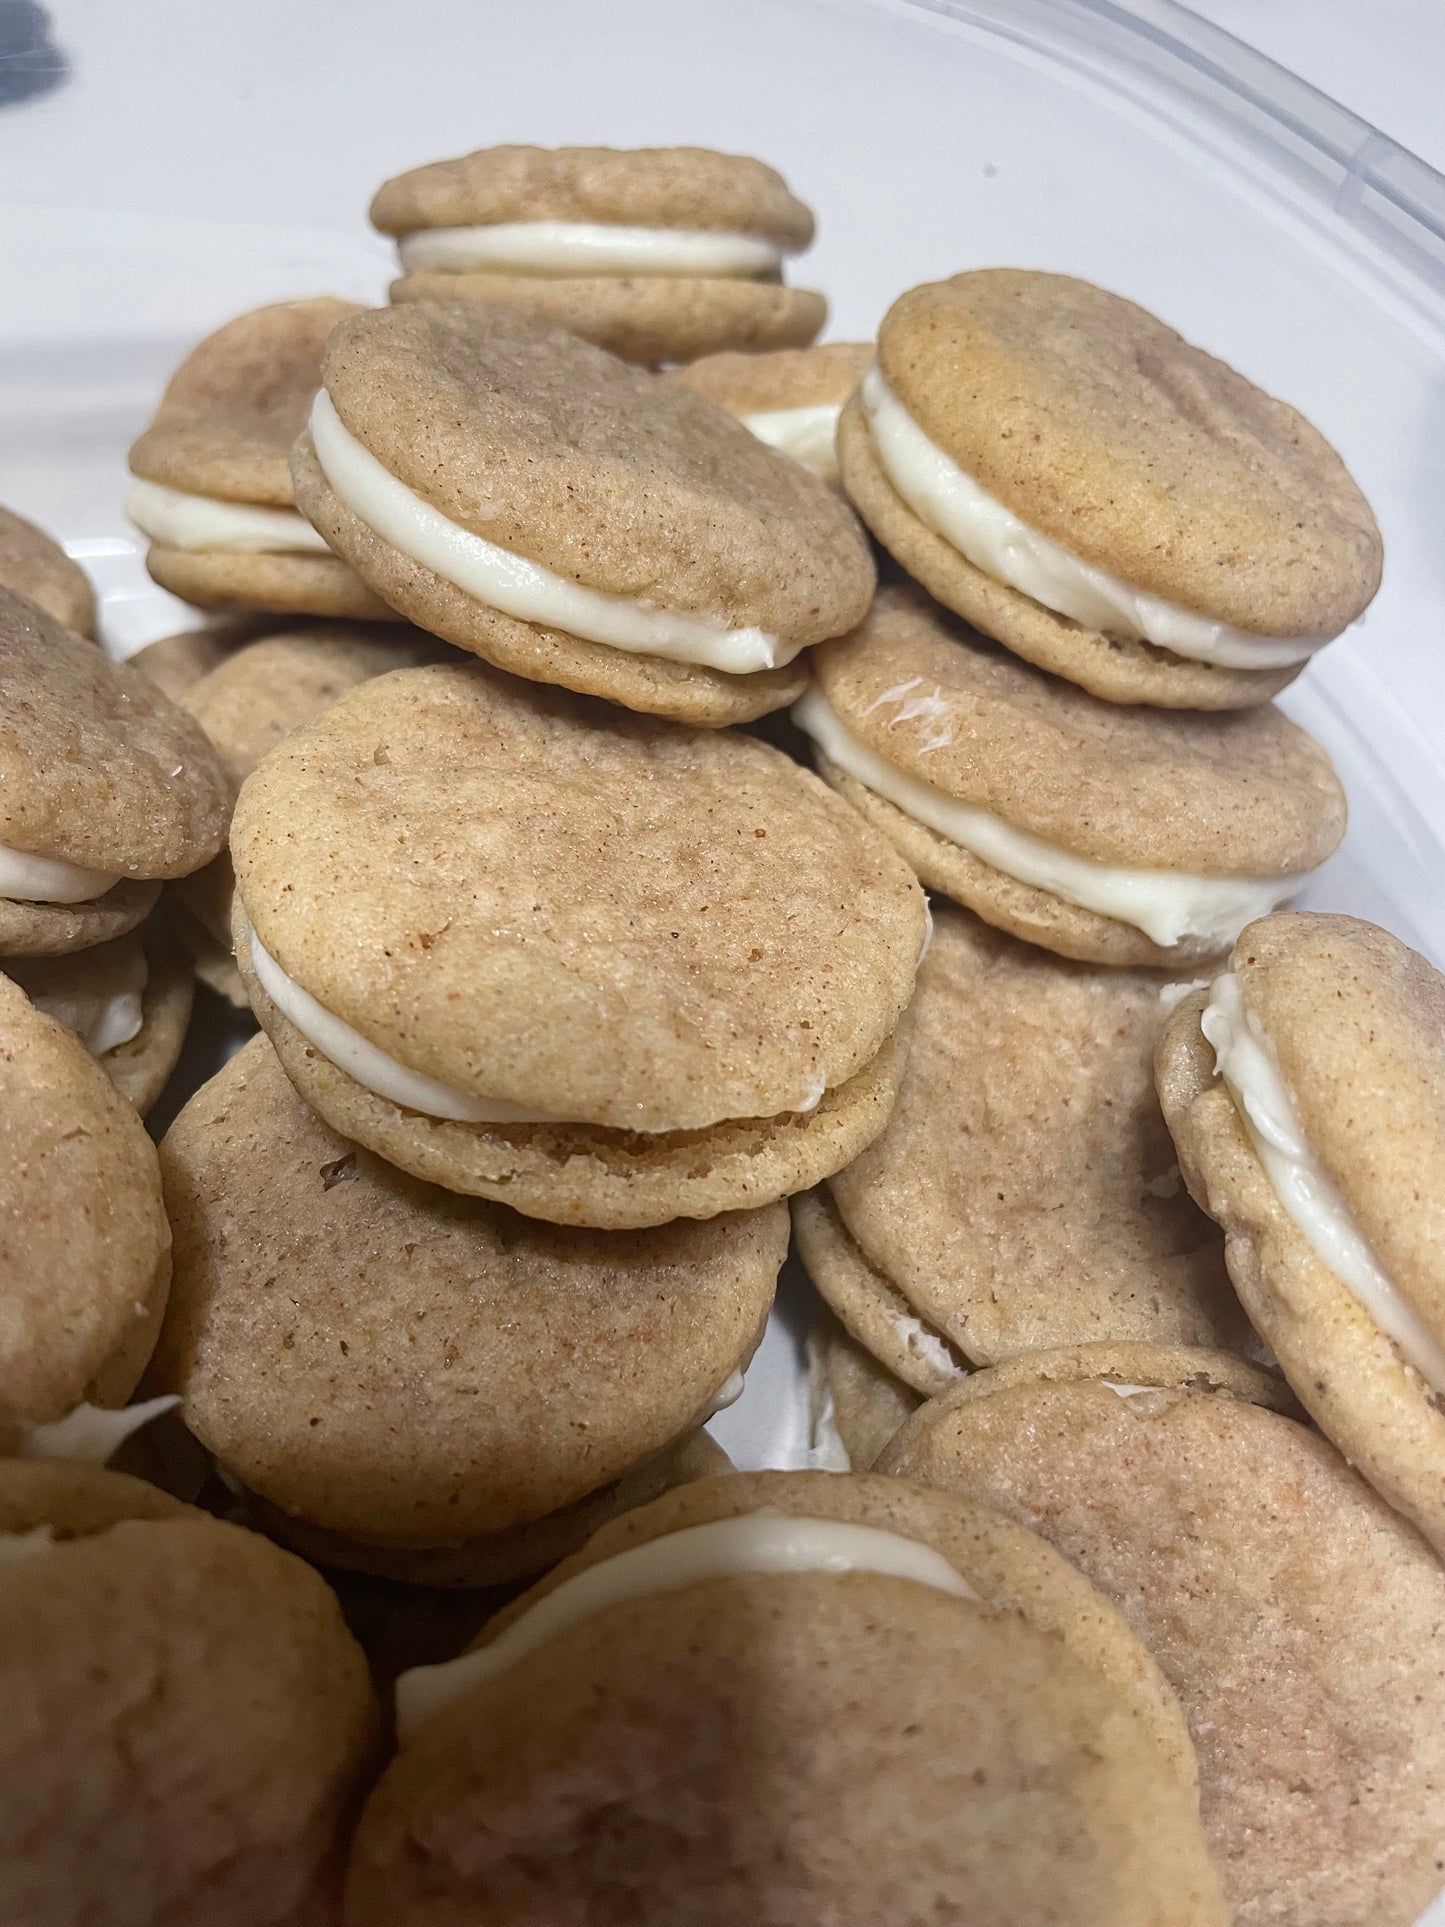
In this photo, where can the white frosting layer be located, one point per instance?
(764, 1541)
(728, 1393)
(370, 1066)
(588, 247)
(90, 1435)
(826, 1450)
(928, 1345)
(115, 1021)
(809, 435)
(1167, 905)
(202, 524)
(17, 1547)
(994, 539)
(519, 588)
(1127, 1391)
(1245, 1060)
(47, 879)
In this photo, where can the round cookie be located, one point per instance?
(864, 1740)
(175, 663)
(1073, 494)
(1133, 838)
(84, 1244)
(34, 564)
(1298, 1619)
(675, 952)
(105, 788)
(1331, 1187)
(856, 1404)
(790, 399)
(574, 520)
(128, 1001)
(188, 1721)
(417, 1372)
(658, 254)
(1025, 1193)
(213, 492)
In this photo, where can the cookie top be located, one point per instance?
(73, 1501)
(601, 472)
(668, 187)
(563, 906)
(819, 377)
(1357, 1022)
(1027, 1146)
(397, 1362)
(1243, 794)
(175, 662)
(33, 564)
(84, 1243)
(97, 767)
(1295, 1615)
(256, 695)
(1102, 428)
(238, 401)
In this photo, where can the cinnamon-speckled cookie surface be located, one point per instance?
(34, 564)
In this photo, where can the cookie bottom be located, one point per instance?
(58, 929)
(1114, 668)
(647, 318)
(310, 585)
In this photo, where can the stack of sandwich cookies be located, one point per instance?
(791, 399)
(536, 501)
(33, 564)
(1063, 470)
(213, 490)
(188, 1721)
(887, 1706)
(1122, 836)
(1026, 1148)
(1297, 1617)
(1306, 1092)
(424, 1385)
(107, 789)
(658, 254)
(593, 966)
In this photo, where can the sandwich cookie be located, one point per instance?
(33, 564)
(787, 1696)
(791, 399)
(128, 1001)
(85, 1251)
(1025, 1193)
(213, 493)
(604, 970)
(188, 1722)
(1306, 1092)
(425, 1383)
(1298, 1619)
(577, 521)
(175, 663)
(105, 788)
(1114, 505)
(658, 254)
(855, 1404)
(1114, 836)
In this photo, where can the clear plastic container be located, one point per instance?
(202, 160)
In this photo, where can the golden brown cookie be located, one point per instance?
(105, 788)
(1306, 1093)
(658, 254)
(879, 1704)
(791, 398)
(856, 1404)
(34, 564)
(1110, 835)
(213, 491)
(605, 970)
(1065, 471)
(1298, 1618)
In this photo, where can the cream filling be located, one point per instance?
(728, 1393)
(763, 1542)
(102, 1026)
(370, 1066)
(926, 1344)
(1167, 905)
(202, 524)
(517, 587)
(809, 435)
(588, 247)
(18, 1547)
(826, 1450)
(90, 1434)
(994, 540)
(1245, 1060)
(1127, 1391)
(47, 879)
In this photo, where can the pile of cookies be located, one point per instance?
(626, 885)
